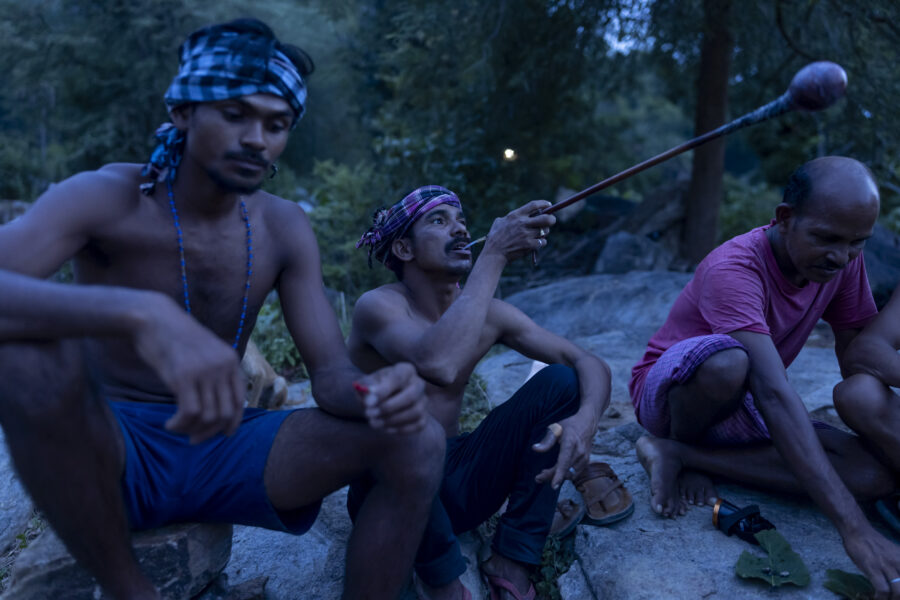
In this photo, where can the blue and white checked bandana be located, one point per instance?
(218, 64)
(389, 224)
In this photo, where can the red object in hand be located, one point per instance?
(360, 388)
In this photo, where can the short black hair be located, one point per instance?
(297, 55)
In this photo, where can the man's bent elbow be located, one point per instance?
(437, 372)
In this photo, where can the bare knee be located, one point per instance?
(862, 400)
(40, 382)
(724, 374)
(715, 391)
(415, 459)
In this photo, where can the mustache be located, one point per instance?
(448, 247)
(249, 156)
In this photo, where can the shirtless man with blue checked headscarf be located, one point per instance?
(122, 398)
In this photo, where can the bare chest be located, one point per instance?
(208, 266)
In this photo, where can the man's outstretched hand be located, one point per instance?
(394, 399)
(201, 370)
(879, 560)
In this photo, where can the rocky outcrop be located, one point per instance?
(642, 557)
(635, 302)
(882, 254)
(647, 557)
(181, 560)
(624, 252)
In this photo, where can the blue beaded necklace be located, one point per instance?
(184, 284)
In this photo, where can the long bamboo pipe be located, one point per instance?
(815, 87)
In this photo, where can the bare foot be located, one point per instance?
(696, 488)
(452, 591)
(512, 571)
(663, 466)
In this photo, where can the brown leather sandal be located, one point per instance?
(567, 516)
(605, 497)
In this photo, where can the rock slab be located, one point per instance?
(647, 557)
(181, 560)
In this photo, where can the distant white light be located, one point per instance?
(866, 114)
(510, 155)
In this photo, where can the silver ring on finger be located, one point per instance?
(541, 242)
(572, 473)
(544, 231)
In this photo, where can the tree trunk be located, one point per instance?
(705, 191)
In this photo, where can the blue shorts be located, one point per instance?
(169, 480)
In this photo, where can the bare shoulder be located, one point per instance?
(92, 196)
(282, 217)
(115, 179)
(385, 299)
(287, 227)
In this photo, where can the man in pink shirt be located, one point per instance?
(712, 387)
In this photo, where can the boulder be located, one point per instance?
(312, 563)
(882, 256)
(181, 560)
(624, 252)
(637, 302)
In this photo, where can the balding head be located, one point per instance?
(822, 182)
(829, 211)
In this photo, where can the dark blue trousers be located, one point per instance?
(484, 468)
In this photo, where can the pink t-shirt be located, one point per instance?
(739, 287)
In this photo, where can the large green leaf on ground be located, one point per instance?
(779, 566)
(849, 585)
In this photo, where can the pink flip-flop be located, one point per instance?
(495, 581)
(420, 593)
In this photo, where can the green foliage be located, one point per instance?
(32, 530)
(345, 199)
(849, 585)
(84, 81)
(746, 205)
(475, 404)
(781, 564)
(431, 91)
(273, 339)
(557, 559)
(460, 81)
(892, 219)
